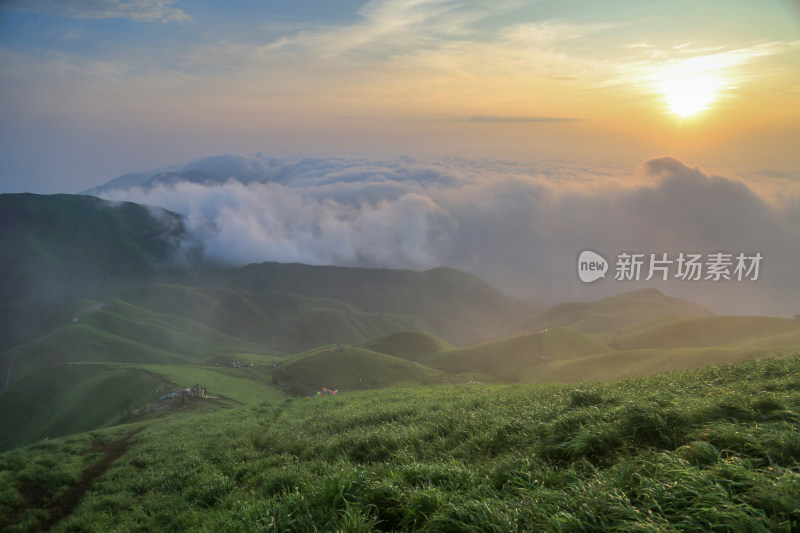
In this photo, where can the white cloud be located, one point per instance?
(520, 226)
(136, 10)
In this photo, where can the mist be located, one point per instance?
(519, 226)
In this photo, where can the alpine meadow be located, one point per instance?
(399, 265)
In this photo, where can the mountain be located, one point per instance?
(411, 345)
(611, 313)
(212, 169)
(62, 247)
(459, 306)
(116, 331)
(750, 331)
(348, 368)
(517, 358)
(98, 283)
(278, 320)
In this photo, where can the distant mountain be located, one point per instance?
(348, 368)
(279, 321)
(611, 313)
(63, 247)
(412, 345)
(206, 170)
(461, 308)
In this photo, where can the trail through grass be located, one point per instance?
(715, 449)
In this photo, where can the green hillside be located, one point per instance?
(611, 313)
(513, 358)
(715, 449)
(348, 368)
(63, 247)
(66, 399)
(283, 322)
(120, 332)
(412, 345)
(745, 331)
(639, 363)
(459, 306)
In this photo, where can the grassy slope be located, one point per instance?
(711, 449)
(284, 322)
(611, 313)
(90, 396)
(59, 248)
(459, 306)
(511, 359)
(562, 355)
(745, 331)
(637, 363)
(122, 332)
(411, 345)
(349, 369)
(79, 398)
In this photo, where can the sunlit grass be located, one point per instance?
(709, 449)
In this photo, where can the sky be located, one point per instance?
(499, 136)
(93, 89)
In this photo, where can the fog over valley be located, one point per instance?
(520, 226)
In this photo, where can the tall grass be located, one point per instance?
(716, 449)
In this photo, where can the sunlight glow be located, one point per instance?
(688, 95)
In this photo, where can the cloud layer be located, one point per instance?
(519, 226)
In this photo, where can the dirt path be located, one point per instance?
(63, 506)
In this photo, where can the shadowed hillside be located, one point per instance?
(64, 247)
(283, 322)
(80, 398)
(461, 307)
(117, 331)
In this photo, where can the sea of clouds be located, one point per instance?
(520, 226)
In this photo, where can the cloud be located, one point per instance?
(492, 118)
(135, 10)
(518, 225)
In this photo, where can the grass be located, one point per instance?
(714, 449)
(122, 332)
(611, 313)
(282, 322)
(348, 368)
(745, 331)
(63, 400)
(511, 358)
(415, 346)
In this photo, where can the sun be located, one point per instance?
(688, 95)
(690, 87)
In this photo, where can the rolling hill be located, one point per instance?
(610, 313)
(116, 331)
(714, 449)
(515, 358)
(410, 345)
(459, 306)
(63, 247)
(348, 368)
(79, 398)
(745, 331)
(280, 321)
